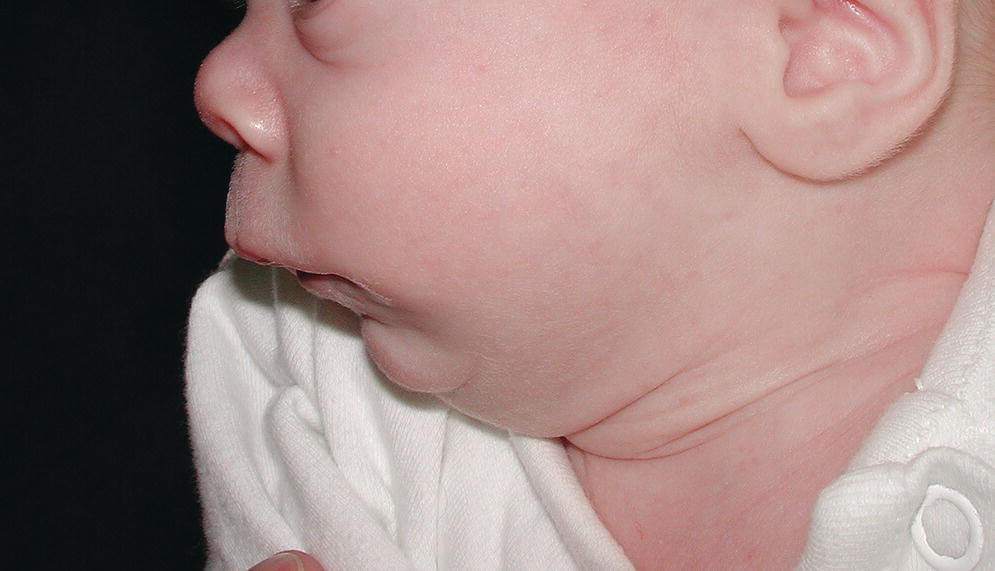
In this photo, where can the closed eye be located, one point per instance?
(297, 6)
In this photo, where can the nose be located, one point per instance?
(237, 98)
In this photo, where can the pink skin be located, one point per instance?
(445, 158)
(553, 216)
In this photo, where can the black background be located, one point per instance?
(115, 206)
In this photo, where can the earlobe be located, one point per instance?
(847, 82)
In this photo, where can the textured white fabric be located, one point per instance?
(300, 444)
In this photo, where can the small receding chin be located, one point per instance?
(410, 360)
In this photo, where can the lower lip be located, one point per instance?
(345, 292)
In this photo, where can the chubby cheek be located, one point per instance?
(421, 196)
(457, 160)
(477, 215)
(502, 284)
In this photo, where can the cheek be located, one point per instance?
(430, 186)
(477, 156)
(489, 203)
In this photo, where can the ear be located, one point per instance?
(844, 83)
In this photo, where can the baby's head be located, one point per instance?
(544, 209)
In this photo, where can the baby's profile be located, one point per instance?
(664, 284)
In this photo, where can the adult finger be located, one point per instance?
(289, 561)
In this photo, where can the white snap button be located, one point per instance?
(975, 537)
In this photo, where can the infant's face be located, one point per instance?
(484, 178)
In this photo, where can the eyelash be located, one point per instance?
(298, 5)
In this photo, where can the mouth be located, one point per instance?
(355, 297)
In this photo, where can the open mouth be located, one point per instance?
(333, 288)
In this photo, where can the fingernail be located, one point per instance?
(284, 561)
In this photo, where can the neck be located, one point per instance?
(739, 489)
(860, 347)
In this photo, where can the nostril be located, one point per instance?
(224, 130)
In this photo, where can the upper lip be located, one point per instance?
(251, 256)
(256, 259)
